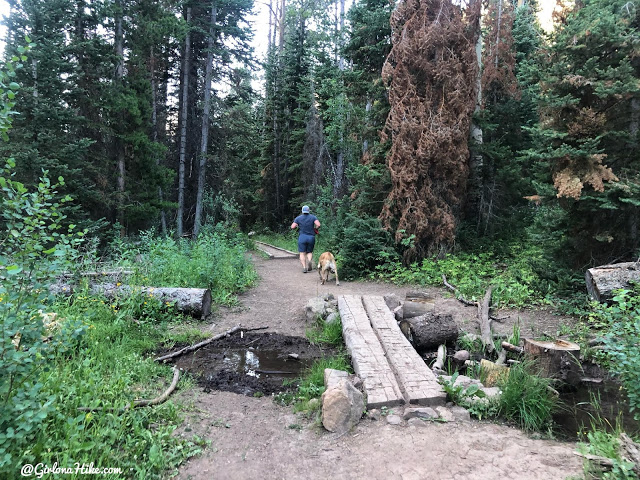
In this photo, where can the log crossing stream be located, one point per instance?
(275, 253)
(391, 370)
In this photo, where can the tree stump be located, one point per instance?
(603, 280)
(417, 304)
(557, 359)
(427, 332)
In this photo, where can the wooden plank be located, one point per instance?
(415, 379)
(368, 357)
(265, 247)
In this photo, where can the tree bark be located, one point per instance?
(155, 127)
(557, 359)
(602, 281)
(416, 304)
(427, 332)
(205, 122)
(194, 301)
(119, 144)
(183, 124)
(485, 321)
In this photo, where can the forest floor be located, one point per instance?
(253, 437)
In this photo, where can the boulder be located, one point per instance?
(315, 308)
(416, 422)
(374, 414)
(461, 356)
(332, 377)
(342, 407)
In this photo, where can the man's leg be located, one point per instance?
(303, 260)
(310, 261)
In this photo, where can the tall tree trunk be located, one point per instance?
(476, 162)
(205, 122)
(183, 123)
(155, 127)
(119, 144)
(338, 186)
(281, 25)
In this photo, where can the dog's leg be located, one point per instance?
(337, 280)
(320, 273)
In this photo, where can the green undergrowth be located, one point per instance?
(215, 260)
(108, 368)
(311, 385)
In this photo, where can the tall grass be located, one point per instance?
(526, 398)
(107, 371)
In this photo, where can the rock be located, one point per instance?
(491, 392)
(315, 309)
(313, 404)
(342, 407)
(465, 381)
(445, 414)
(295, 356)
(493, 371)
(416, 422)
(461, 356)
(356, 381)
(422, 412)
(333, 377)
(328, 297)
(394, 419)
(460, 414)
(392, 301)
(373, 414)
(332, 317)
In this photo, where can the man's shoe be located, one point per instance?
(304, 270)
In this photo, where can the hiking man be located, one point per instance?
(309, 226)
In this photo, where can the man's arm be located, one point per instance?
(316, 223)
(294, 225)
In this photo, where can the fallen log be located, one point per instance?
(557, 359)
(427, 332)
(602, 281)
(469, 303)
(193, 348)
(141, 403)
(102, 273)
(193, 301)
(416, 304)
(512, 348)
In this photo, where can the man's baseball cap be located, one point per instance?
(305, 209)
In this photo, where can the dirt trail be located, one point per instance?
(255, 438)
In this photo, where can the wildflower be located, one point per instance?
(118, 284)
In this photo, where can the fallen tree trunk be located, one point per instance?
(427, 332)
(557, 359)
(102, 273)
(194, 301)
(603, 280)
(416, 304)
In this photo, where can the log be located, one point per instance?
(102, 273)
(485, 321)
(416, 304)
(427, 332)
(512, 348)
(194, 301)
(557, 359)
(602, 281)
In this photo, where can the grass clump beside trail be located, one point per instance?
(311, 385)
(107, 370)
(215, 260)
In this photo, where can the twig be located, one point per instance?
(602, 461)
(196, 346)
(512, 348)
(141, 403)
(469, 303)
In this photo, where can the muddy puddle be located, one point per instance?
(251, 363)
(600, 402)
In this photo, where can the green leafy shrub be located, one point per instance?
(34, 252)
(620, 327)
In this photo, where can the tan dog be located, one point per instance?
(326, 265)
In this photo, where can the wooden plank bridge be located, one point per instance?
(275, 253)
(391, 370)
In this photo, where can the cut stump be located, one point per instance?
(602, 281)
(557, 359)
